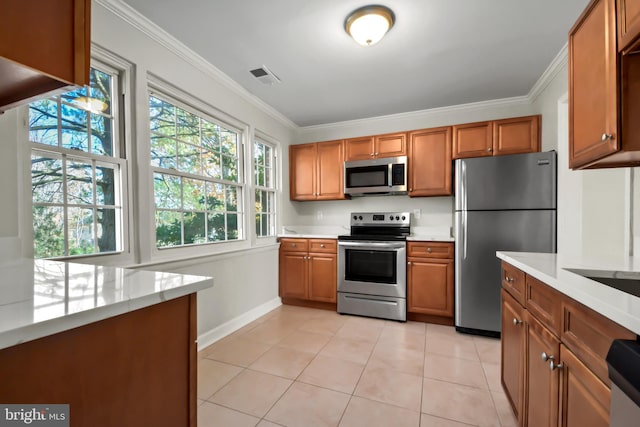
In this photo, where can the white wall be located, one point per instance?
(594, 206)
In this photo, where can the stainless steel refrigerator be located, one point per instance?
(503, 203)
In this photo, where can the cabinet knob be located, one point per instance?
(371, 154)
(410, 189)
(553, 366)
(377, 154)
(293, 244)
(516, 322)
(322, 245)
(409, 263)
(606, 136)
(429, 250)
(545, 357)
(508, 279)
(489, 149)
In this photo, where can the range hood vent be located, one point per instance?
(265, 75)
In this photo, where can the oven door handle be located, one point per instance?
(373, 245)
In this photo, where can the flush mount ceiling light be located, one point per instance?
(367, 25)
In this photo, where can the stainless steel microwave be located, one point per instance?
(376, 176)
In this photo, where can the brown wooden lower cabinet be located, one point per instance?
(135, 369)
(430, 279)
(553, 368)
(308, 271)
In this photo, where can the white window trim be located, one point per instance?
(277, 180)
(107, 61)
(163, 89)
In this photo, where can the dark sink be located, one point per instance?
(628, 282)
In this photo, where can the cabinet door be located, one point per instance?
(392, 145)
(430, 287)
(302, 172)
(293, 275)
(517, 135)
(593, 85)
(542, 394)
(358, 148)
(323, 275)
(628, 22)
(330, 179)
(585, 400)
(430, 162)
(473, 140)
(513, 352)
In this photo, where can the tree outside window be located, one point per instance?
(75, 171)
(196, 165)
(265, 188)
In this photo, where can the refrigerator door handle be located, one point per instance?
(463, 237)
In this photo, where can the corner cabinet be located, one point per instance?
(553, 368)
(604, 86)
(308, 271)
(46, 47)
(316, 171)
(429, 158)
(430, 281)
(496, 138)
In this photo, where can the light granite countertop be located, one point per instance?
(619, 306)
(39, 298)
(418, 233)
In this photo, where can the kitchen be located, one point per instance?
(598, 211)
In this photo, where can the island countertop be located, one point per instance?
(39, 298)
(551, 269)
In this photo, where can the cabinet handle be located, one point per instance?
(545, 357)
(553, 366)
(516, 322)
(606, 136)
(508, 279)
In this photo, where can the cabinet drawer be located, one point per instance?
(430, 249)
(327, 246)
(589, 335)
(513, 280)
(294, 245)
(544, 303)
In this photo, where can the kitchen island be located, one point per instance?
(118, 345)
(559, 318)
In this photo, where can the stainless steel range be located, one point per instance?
(372, 265)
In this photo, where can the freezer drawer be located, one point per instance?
(372, 306)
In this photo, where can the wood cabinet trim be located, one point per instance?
(513, 281)
(545, 303)
(442, 250)
(486, 148)
(430, 168)
(420, 296)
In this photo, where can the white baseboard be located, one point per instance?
(215, 334)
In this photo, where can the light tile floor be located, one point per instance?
(306, 367)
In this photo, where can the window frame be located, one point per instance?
(120, 71)
(168, 93)
(274, 189)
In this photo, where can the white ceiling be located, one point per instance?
(439, 53)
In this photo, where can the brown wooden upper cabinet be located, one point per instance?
(628, 22)
(45, 47)
(430, 162)
(497, 137)
(316, 171)
(373, 147)
(604, 87)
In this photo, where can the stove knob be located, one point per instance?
(360, 217)
(397, 218)
(391, 218)
(355, 217)
(404, 217)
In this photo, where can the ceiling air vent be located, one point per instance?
(265, 75)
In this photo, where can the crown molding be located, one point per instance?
(147, 27)
(431, 112)
(550, 73)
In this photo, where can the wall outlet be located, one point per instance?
(417, 213)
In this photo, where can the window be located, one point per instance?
(76, 170)
(197, 177)
(265, 188)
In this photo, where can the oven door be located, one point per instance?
(373, 268)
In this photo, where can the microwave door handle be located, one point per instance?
(390, 174)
